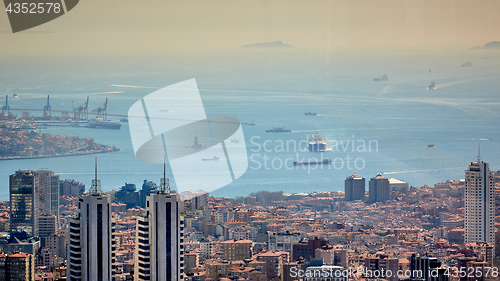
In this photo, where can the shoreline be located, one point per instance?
(50, 156)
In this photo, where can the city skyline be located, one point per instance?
(281, 140)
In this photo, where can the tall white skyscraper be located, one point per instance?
(479, 203)
(48, 192)
(159, 237)
(91, 243)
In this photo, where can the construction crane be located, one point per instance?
(102, 111)
(47, 109)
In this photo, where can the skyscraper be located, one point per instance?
(48, 192)
(379, 189)
(148, 187)
(354, 188)
(23, 188)
(159, 237)
(91, 246)
(421, 267)
(479, 203)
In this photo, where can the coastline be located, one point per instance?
(62, 155)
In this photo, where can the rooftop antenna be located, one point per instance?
(164, 184)
(478, 153)
(96, 184)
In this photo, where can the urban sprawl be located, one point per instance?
(54, 229)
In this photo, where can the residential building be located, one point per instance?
(479, 203)
(17, 267)
(379, 189)
(159, 251)
(233, 250)
(354, 188)
(48, 192)
(91, 238)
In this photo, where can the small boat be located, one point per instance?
(211, 159)
(278, 130)
(429, 71)
(164, 110)
(124, 120)
(253, 124)
(14, 95)
(432, 86)
(236, 140)
(310, 113)
(430, 145)
(468, 63)
(325, 161)
(381, 78)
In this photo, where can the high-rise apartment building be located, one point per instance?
(159, 237)
(91, 233)
(48, 192)
(479, 203)
(354, 188)
(379, 189)
(47, 225)
(24, 211)
(71, 188)
(17, 266)
(234, 250)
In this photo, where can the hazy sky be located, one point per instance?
(155, 26)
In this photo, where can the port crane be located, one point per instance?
(82, 111)
(102, 111)
(47, 109)
(6, 107)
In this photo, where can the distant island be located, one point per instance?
(494, 45)
(268, 45)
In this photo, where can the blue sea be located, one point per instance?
(399, 117)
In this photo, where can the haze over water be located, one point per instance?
(276, 89)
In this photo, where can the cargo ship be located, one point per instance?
(99, 123)
(381, 78)
(432, 86)
(468, 63)
(211, 159)
(326, 161)
(317, 143)
(278, 130)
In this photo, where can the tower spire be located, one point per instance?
(96, 184)
(164, 185)
(478, 153)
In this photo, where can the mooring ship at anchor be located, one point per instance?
(317, 143)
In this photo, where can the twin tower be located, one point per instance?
(159, 238)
